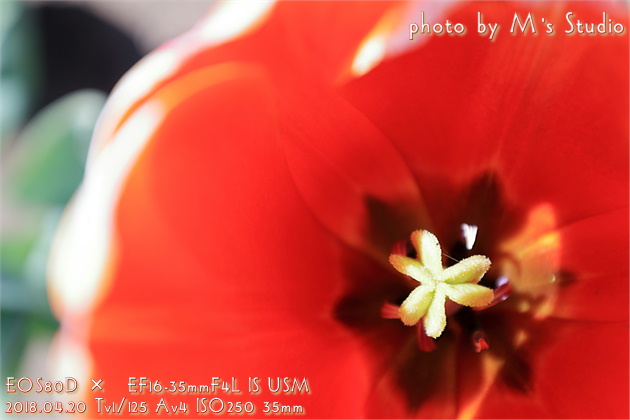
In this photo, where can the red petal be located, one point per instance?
(568, 373)
(207, 281)
(554, 129)
(290, 42)
(331, 151)
(595, 260)
(330, 146)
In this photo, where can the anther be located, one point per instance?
(480, 341)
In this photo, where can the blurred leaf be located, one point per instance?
(20, 65)
(35, 267)
(23, 281)
(48, 161)
(24, 300)
(14, 335)
(14, 251)
(18, 297)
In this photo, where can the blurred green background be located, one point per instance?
(58, 62)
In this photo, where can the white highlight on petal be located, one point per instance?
(230, 19)
(374, 47)
(83, 246)
(71, 358)
(369, 55)
(135, 84)
(390, 36)
(227, 20)
(469, 232)
(145, 75)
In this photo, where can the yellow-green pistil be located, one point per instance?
(457, 282)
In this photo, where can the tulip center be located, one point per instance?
(457, 283)
(443, 291)
(525, 280)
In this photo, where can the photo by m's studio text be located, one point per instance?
(521, 24)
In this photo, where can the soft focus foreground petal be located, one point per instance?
(82, 253)
(288, 37)
(466, 105)
(209, 225)
(330, 147)
(162, 65)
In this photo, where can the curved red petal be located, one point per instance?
(553, 129)
(560, 371)
(595, 259)
(291, 30)
(331, 150)
(204, 223)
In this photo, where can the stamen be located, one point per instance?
(426, 343)
(457, 282)
(400, 248)
(480, 340)
(390, 311)
(501, 293)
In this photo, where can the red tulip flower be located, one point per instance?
(430, 228)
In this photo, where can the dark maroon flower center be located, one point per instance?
(504, 335)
